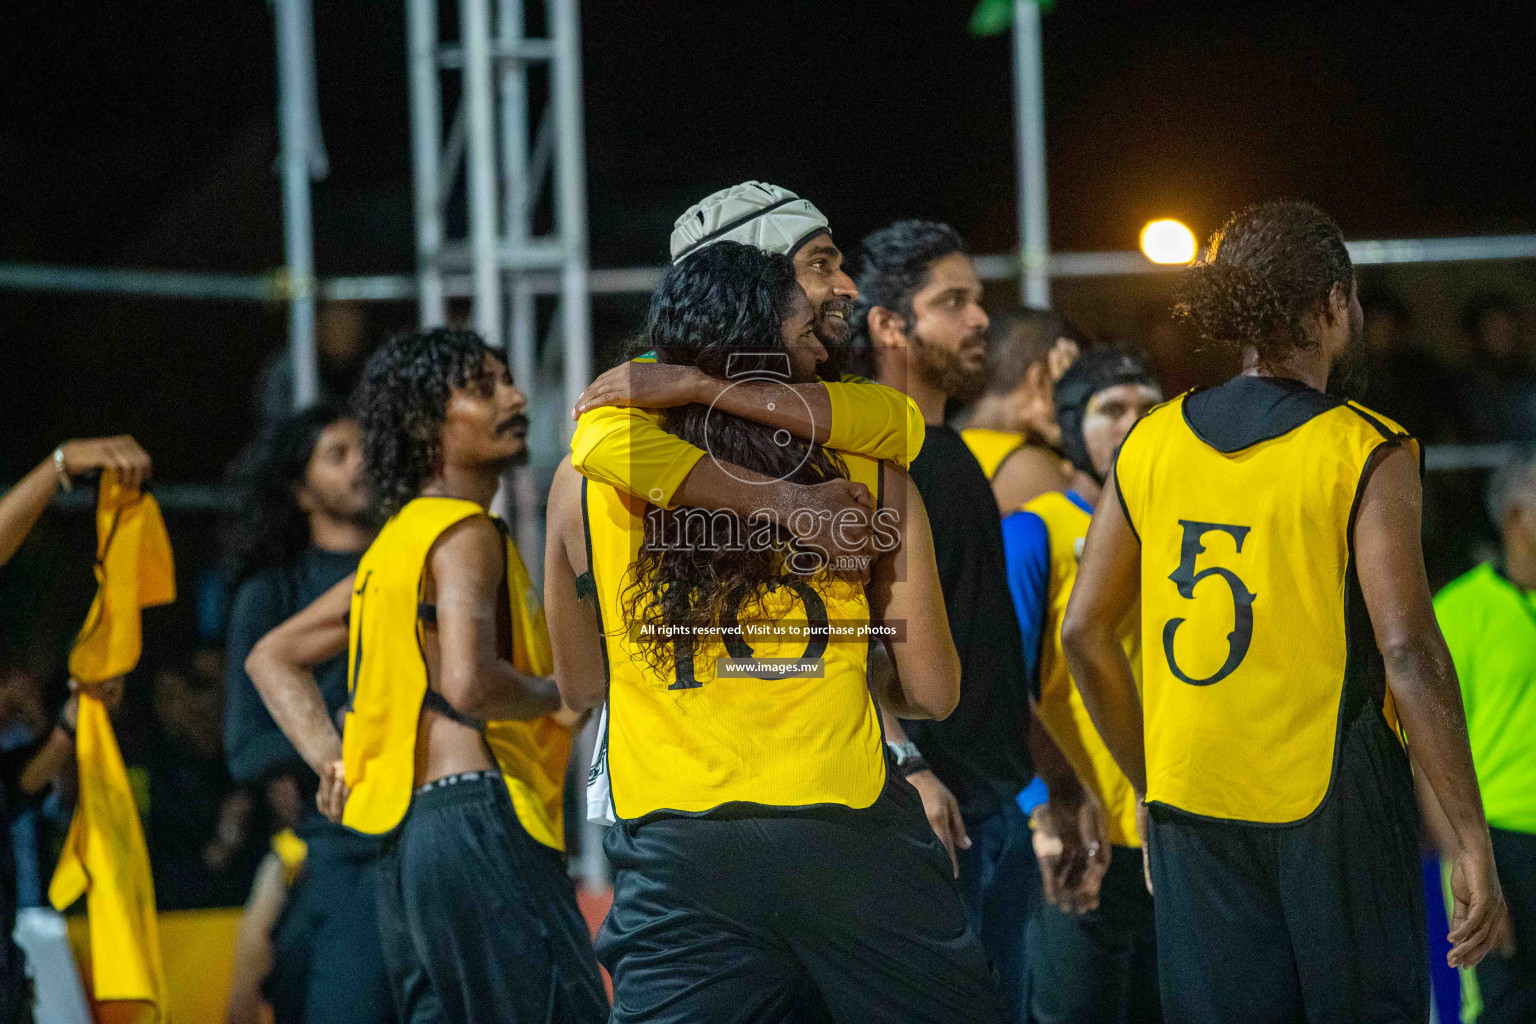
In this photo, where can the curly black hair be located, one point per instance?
(401, 402)
(722, 311)
(267, 527)
(1267, 271)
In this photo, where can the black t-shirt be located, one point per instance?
(981, 751)
(254, 746)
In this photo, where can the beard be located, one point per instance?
(831, 330)
(354, 505)
(1349, 377)
(943, 369)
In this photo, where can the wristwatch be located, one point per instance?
(909, 760)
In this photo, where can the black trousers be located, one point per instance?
(1508, 986)
(1099, 967)
(826, 915)
(328, 959)
(1321, 921)
(1001, 889)
(479, 921)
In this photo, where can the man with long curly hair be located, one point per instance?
(302, 522)
(771, 864)
(455, 743)
(1271, 534)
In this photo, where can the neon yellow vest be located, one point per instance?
(388, 681)
(991, 447)
(1254, 633)
(1060, 704)
(688, 740)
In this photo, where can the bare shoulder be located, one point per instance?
(1028, 472)
(897, 491)
(1392, 477)
(473, 548)
(565, 494)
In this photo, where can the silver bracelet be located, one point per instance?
(65, 483)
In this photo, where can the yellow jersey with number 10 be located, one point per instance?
(1256, 645)
(690, 739)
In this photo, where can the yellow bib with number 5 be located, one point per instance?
(1254, 633)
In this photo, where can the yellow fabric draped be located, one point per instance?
(104, 856)
(134, 570)
(532, 754)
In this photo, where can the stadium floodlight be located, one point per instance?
(1168, 241)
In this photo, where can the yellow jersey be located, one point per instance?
(1257, 648)
(695, 737)
(1059, 702)
(387, 675)
(991, 447)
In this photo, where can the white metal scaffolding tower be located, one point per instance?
(511, 158)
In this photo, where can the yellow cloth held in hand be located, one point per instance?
(104, 857)
(134, 571)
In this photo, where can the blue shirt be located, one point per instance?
(1027, 557)
(1027, 553)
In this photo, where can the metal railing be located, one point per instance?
(275, 286)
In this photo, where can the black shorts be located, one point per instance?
(747, 916)
(479, 921)
(1099, 967)
(1320, 921)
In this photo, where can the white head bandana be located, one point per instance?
(752, 213)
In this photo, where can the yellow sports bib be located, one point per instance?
(1061, 707)
(1254, 633)
(388, 682)
(693, 738)
(991, 447)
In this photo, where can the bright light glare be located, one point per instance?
(1168, 241)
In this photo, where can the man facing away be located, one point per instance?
(1271, 534)
(1012, 428)
(455, 748)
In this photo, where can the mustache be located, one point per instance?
(837, 305)
(512, 423)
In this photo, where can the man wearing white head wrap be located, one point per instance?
(753, 213)
(769, 217)
(619, 439)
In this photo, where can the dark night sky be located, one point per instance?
(143, 134)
